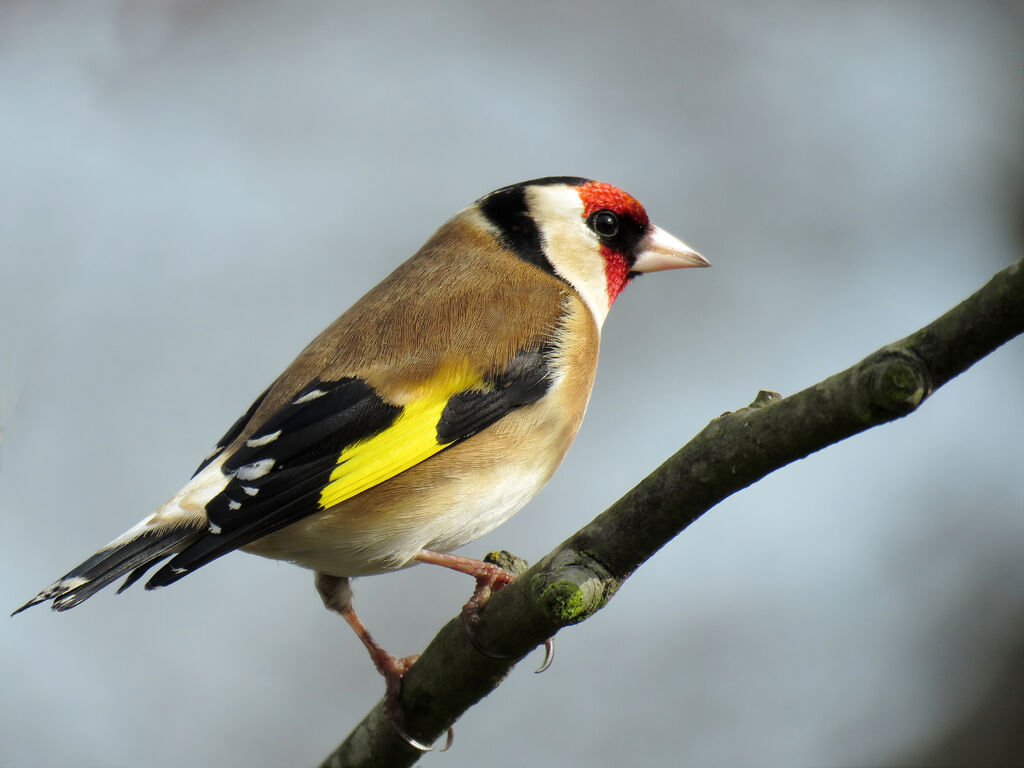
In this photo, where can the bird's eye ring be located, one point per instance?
(604, 223)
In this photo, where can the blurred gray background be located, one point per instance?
(189, 191)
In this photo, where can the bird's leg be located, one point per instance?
(490, 578)
(336, 592)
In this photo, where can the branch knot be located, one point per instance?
(572, 586)
(894, 382)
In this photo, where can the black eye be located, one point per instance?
(604, 223)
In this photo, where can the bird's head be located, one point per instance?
(591, 234)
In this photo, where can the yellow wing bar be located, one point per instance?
(412, 438)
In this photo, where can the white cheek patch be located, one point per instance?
(570, 246)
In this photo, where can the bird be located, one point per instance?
(422, 418)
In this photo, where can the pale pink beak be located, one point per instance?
(659, 250)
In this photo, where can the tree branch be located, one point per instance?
(735, 450)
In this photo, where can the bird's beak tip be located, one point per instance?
(660, 250)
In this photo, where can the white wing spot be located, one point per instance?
(250, 490)
(213, 528)
(255, 470)
(233, 506)
(308, 396)
(179, 571)
(256, 442)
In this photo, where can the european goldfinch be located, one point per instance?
(423, 417)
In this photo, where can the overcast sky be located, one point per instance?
(192, 190)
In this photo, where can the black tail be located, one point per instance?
(134, 557)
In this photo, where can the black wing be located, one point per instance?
(280, 471)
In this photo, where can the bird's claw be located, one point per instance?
(549, 655)
(393, 669)
(419, 745)
(486, 585)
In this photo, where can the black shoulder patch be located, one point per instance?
(523, 381)
(506, 209)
